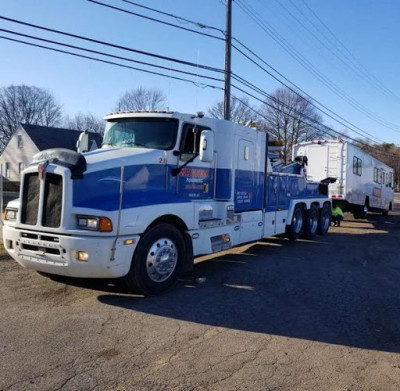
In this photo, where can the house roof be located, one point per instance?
(46, 137)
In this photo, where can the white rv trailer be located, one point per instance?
(363, 183)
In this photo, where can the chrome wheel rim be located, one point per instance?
(161, 260)
(326, 220)
(314, 223)
(298, 221)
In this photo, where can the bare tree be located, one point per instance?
(27, 105)
(290, 118)
(142, 99)
(84, 122)
(241, 110)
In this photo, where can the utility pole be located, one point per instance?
(228, 47)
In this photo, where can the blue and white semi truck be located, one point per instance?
(164, 188)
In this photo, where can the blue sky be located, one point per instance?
(370, 30)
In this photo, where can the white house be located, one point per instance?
(30, 139)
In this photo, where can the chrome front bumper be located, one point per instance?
(56, 254)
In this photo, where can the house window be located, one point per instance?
(7, 170)
(357, 166)
(19, 141)
(20, 168)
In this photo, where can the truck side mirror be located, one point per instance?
(206, 152)
(82, 145)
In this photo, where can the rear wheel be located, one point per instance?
(385, 212)
(311, 222)
(296, 227)
(157, 262)
(361, 212)
(325, 217)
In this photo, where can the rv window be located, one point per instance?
(376, 175)
(390, 179)
(357, 166)
(383, 177)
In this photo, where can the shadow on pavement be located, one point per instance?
(331, 290)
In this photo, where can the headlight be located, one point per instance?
(10, 214)
(93, 223)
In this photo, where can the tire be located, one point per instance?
(325, 218)
(385, 212)
(157, 262)
(296, 227)
(361, 212)
(311, 222)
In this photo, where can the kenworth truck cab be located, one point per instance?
(164, 188)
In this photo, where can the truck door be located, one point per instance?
(248, 191)
(195, 180)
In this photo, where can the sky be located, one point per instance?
(345, 54)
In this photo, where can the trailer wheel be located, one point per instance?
(325, 217)
(361, 212)
(157, 262)
(296, 227)
(311, 222)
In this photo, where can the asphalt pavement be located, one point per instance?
(274, 315)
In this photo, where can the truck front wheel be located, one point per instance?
(157, 262)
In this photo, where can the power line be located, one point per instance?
(310, 100)
(297, 56)
(206, 67)
(110, 55)
(335, 51)
(154, 19)
(179, 18)
(276, 100)
(176, 78)
(368, 73)
(202, 85)
(328, 130)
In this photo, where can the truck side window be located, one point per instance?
(190, 143)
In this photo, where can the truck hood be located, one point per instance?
(106, 158)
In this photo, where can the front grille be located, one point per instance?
(30, 199)
(44, 250)
(50, 197)
(52, 201)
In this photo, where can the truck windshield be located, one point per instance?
(154, 133)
